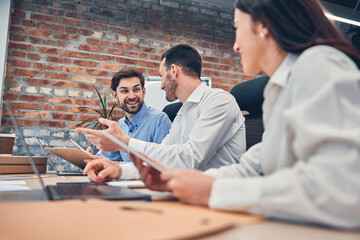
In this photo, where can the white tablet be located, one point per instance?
(155, 164)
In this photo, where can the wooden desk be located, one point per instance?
(246, 226)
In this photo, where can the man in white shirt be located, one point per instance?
(208, 131)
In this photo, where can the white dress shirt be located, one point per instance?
(307, 167)
(208, 132)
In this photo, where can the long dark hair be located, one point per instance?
(297, 25)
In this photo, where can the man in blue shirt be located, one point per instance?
(140, 121)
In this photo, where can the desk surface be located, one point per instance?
(246, 226)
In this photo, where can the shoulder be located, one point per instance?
(216, 98)
(154, 113)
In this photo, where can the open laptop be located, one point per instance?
(60, 172)
(76, 190)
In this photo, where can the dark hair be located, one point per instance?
(297, 25)
(126, 73)
(185, 56)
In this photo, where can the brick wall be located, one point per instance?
(60, 50)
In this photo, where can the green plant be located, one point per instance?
(102, 111)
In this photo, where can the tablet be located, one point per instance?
(155, 164)
(75, 156)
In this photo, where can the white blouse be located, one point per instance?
(307, 167)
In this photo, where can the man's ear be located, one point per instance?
(113, 93)
(174, 70)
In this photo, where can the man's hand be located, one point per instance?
(149, 175)
(102, 170)
(189, 186)
(102, 142)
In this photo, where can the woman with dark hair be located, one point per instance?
(307, 167)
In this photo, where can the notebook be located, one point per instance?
(60, 172)
(76, 190)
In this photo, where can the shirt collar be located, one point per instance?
(196, 95)
(138, 117)
(280, 76)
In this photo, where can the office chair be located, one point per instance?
(172, 109)
(249, 97)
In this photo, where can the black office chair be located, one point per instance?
(249, 97)
(172, 109)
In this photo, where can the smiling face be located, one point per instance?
(249, 42)
(167, 82)
(130, 95)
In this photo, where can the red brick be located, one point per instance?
(10, 79)
(211, 73)
(126, 60)
(73, 124)
(57, 28)
(33, 56)
(156, 57)
(96, 26)
(222, 67)
(138, 55)
(44, 26)
(85, 32)
(19, 63)
(58, 60)
(81, 110)
(24, 72)
(9, 70)
(49, 42)
(70, 22)
(66, 36)
(18, 54)
(43, 17)
(90, 48)
(58, 108)
(62, 116)
(10, 96)
(226, 88)
(71, 30)
(165, 38)
(51, 11)
(36, 40)
(18, 46)
(19, 38)
(97, 72)
(5, 113)
(219, 80)
(40, 115)
(153, 72)
(35, 81)
(76, 16)
(45, 66)
(72, 69)
(123, 46)
(210, 59)
(149, 64)
(61, 43)
(31, 98)
(64, 84)
(86, 86)
(51, 124)
(121, 31)
(230, 75)
(19, 14)
(88, 118)
(105, 81)
(228, 61)
(234, 82)
(206, 65)
(37, 32)
(77, 54)
(56, 76)
(84, 63)
(83, 102)
(50, 50)
(97, 42)
(102, 57)
(114, 51)
(62, 100)
(225, 47)
(110, 66)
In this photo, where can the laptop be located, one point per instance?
(76, 190)
(60, 172)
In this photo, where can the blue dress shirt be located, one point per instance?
(149, 124)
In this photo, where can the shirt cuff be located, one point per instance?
(137, 145)
(236, 194)
(129, 171)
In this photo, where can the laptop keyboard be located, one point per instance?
(80, 189)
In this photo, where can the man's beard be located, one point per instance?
(131, 111)
(170, 88)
